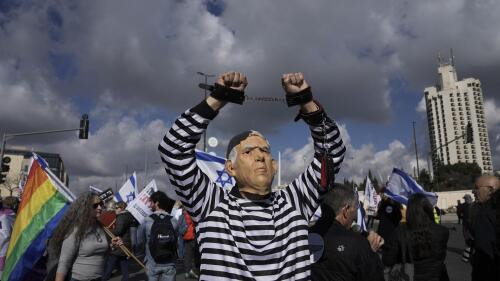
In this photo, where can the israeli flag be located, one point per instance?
(213, 167)
(360, 219)
(401, 186)
(128, 191)
(94, 189)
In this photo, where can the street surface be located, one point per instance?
(457, 270)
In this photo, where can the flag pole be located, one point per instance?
(124, 248)
(279, 168)
(366, 186)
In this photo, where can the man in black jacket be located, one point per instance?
(389, 213)
(124, 222)
(344, 255)
(486, 254)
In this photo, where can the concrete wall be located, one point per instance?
(448, 199)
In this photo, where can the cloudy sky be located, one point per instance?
(131, 65)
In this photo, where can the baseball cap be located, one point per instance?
(239, 138)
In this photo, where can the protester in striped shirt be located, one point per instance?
(251, 232)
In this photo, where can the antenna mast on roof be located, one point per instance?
(452, 58)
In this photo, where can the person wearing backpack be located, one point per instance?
(160, 232)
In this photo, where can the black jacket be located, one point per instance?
(430, 267)
(389, 212)
(486, 256)
(466, 224)
(346, 255)
(124, 222)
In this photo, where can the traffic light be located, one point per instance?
(84, 127)
(5, 168)
(468, 137)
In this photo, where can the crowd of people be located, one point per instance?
(80, 249)
(252, 232)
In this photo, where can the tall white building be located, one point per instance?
(451, 104)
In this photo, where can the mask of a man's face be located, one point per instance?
(254, 166)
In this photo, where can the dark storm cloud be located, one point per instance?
(145, 55)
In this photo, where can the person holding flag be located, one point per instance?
(400, 186)
(80, 241)
(44, 201)
(250, 232)
(125, 226)
(420, 241)
(396, 193)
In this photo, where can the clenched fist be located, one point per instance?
(294, 82)
(234, 80)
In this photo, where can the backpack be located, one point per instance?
(163, 239)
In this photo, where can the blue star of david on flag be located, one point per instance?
(224, 178)
(213, 167)
(130, 197)
(128, 191)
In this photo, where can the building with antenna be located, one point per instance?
(451, 105)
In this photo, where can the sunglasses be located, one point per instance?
(481, 186)
(95, 205)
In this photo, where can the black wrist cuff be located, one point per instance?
(204, 110)
(313, 118)
(224, 93)
(299, 98)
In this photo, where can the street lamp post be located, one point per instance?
(205, 90)
(416, 151)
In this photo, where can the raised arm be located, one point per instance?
(177, 149)
(306, 190)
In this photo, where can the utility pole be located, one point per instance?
(145, 159)
(205, 90)
(416, 151)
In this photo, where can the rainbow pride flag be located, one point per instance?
(44, 201)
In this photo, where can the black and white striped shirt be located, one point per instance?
(242, 239)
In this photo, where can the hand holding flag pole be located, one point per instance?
(123, 247)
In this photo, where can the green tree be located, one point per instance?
(362, 184)
(424, 179)
(458, 176)
(349, 183)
